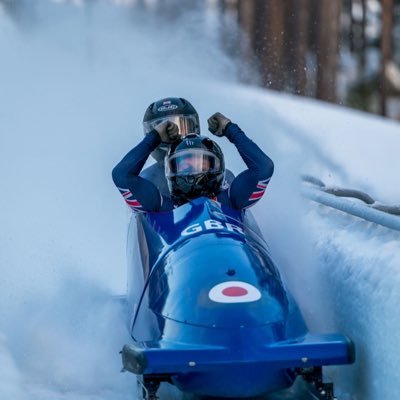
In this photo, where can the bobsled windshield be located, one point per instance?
(187, 124)
(191, 162)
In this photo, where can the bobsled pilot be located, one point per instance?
(194, 167)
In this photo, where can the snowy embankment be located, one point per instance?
(75, 83)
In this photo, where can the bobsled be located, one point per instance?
(209, 312)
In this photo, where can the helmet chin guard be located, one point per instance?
(194, 167)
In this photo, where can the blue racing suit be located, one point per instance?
(245, 190)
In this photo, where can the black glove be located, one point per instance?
(217, 124)
(168, 131)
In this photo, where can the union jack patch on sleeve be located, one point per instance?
(130, 200)
(261, 186)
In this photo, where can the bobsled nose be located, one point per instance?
(230, 288)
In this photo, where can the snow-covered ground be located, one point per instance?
(74, 83)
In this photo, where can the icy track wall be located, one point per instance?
(74, 85)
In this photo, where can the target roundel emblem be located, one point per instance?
(234, 292)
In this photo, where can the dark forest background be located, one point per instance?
(341, 51)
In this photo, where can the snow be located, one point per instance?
(74, 84)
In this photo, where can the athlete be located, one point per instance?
(194, 167)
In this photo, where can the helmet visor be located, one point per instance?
(187, 124)
(192, 162)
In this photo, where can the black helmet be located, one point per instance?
(194, 167)
(176, 110)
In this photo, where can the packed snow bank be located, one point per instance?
(359, 262)
(353, 148)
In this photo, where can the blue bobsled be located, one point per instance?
(209, 312)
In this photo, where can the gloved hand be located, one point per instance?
(217, 124)
(168, 131)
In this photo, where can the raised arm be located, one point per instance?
(139, 193)
(250, 185)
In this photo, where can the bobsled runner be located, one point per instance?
(209, 312)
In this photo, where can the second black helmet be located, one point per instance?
(174, 109)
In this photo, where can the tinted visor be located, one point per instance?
(187, 124)
(192, 162)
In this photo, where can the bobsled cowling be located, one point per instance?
(209, 310)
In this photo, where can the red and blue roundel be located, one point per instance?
(234, 292)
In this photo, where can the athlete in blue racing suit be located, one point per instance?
(245, 190)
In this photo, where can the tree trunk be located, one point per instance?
(246, 16)
(300, 45)
(221, 5)
(328, 46)
(386, 50)
(269, 41)
(348, 6)
(363, 44)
